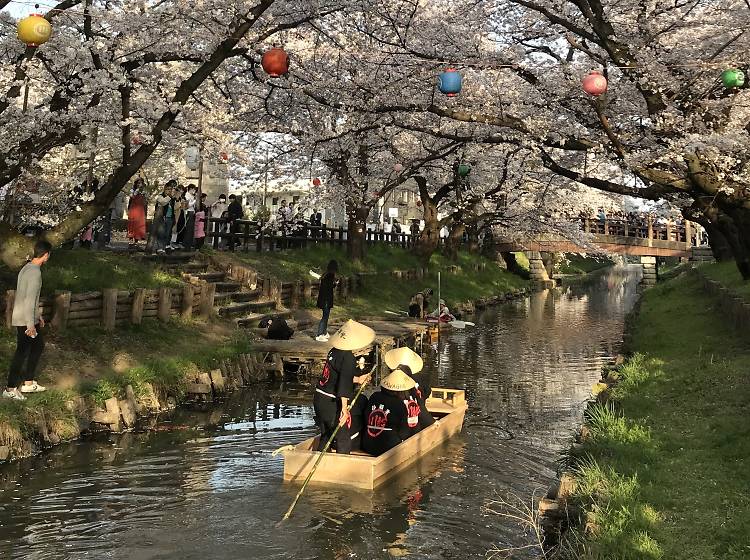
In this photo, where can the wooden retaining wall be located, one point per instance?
(111, 307)
(734, 307)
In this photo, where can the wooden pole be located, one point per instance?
(165, 304)
(207, 299)
(186, 310)
(109, 308)
(136, 312)
(10, 298)
(325, 450)
(61, 310)
(438, 327)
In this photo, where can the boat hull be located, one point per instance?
(367, 472)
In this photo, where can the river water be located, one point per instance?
(205, 485)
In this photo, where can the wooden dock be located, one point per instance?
(307, 354)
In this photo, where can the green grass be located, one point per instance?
(665, 473)
(383, 291)
(729, 276)
(87, 271)
(579, 264)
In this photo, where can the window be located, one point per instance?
(295, 199)
(275, 201)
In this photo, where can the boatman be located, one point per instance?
(335, 387)
(442, 314)
(387, 415)
(419, 303)
(408, 361)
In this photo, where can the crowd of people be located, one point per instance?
(614, 222)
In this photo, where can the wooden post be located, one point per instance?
(306, 290)
(275, 293)
(109, 308)
(136, 311)
(207, 299)
(296, 293)
(186, 311)
(10, 297)
(60, 310)
(165, 304)
(650, 227)
(344, 287)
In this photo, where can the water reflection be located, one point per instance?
(212, 489)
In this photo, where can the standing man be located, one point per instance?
(218, 209)
(234, 213)
(28, 322)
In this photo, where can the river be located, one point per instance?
(205, 485)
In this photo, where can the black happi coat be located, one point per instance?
(420, 393)
(387, 424)
(336, 381)
(358, 420)
(325, 293)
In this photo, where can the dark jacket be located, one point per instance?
(234, 211)
(421, 392)
(337, 377)
(387, 423)
(325, 294)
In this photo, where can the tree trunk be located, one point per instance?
(429, 238)
(356, 238)
(453, 242)
(14, 247)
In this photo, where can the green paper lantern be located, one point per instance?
(733, 78)
(464, 169)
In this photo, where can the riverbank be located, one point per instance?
(661, 471)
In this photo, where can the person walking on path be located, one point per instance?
(137, 214)
(325, 298)
(28, 322)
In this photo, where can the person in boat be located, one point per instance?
(335, 387)
(419, 303)
(411, 363)
(357, 419)
(389, 421)
(442, 314)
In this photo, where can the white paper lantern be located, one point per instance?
(192, 158)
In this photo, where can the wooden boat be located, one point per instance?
(361, 470)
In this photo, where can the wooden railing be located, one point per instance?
(644, 228)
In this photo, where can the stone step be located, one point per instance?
(192, 268)
(212, 276)
(251, 321)
(263, 306)
(227, 286)
(224, 297)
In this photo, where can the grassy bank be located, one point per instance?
(81, 270)
(382, 291)
(97, 366)
(664, 472)
(579, 264)
(727, 274)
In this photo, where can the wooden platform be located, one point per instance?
(366, 472)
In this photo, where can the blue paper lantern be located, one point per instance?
(449, 82)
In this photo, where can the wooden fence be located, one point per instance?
(112, 307)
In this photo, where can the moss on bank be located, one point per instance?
(727, 274)
(81, 270)
(664, 472)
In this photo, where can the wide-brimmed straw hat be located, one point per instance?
(398, 381)
(404, 356)
(352, 336)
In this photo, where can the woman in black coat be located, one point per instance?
(325, 298)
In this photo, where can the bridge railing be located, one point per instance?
(644, 228)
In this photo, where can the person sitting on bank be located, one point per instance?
(278, 328)
(335, 387)
(442, 313)
(389, 422)
(28, 321)
(420, 303)
(411, 363)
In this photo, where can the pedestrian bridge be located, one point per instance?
(642, 238)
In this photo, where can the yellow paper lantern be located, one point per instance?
(34, 30)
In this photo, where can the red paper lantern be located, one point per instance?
(136, 139)
(316, 182)
(419, 203)
(595, 84)
(275, 62)
(398, 168)
(224, 156)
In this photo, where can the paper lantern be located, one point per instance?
(224, 157)
(398, 168)
(419, 203)
(449, 82)
(34, 30)
(316, 182)
(275, 62)
(464, 169)
(136, 140)
(192, 158)
(595, 84)
(733, 78)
